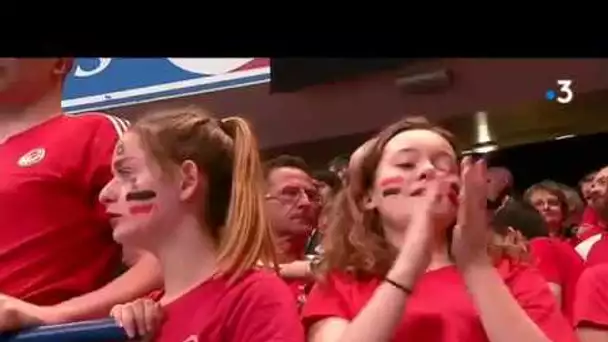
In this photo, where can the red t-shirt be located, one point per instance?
(590, 217)
(56, 242)
(440, 309)
(598, 253)
(589, 226)
(257, 308)
(299, 289)
(591, 306)
(559, 263)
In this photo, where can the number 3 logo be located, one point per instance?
(566, 91)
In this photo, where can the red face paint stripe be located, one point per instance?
(397, 180)
(141, 209)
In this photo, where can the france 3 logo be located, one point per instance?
(564, 94)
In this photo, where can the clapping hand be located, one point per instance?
(472, 232)
(422, 212)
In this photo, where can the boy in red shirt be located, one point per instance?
(519, 222)
(58, 262)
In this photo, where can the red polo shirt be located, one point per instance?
(598, 252)
(559, 263)
(591, 306)
(55, 242)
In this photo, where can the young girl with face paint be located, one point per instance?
(406, 255)
(188, 188)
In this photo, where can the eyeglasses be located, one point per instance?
(550, 202)
(293, 195)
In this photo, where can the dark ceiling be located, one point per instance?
(292, 74)
(536, 121)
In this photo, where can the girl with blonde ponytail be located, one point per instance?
(188, 188)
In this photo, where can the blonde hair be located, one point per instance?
(226, 151)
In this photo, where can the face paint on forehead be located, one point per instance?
(120, 148)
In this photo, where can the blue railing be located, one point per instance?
(104, 330)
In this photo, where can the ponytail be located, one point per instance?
(247, 238)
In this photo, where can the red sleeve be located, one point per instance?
(543, 252)
(531, 291)
(589, 217)
(328, 298)
(591, 305)
(598, 252)
(266, 312)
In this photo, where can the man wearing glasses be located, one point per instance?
(293, 203)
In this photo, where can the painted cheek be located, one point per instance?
(141, 209)
(391, 185)
(391, 181)
(142, 202)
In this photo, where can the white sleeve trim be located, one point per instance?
(120, 125)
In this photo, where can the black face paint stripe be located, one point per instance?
(142, 195)
(391, 191)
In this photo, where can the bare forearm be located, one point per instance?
(496, 306)
(377, 321)
(383, 313)
(592, 335)
(143, 277)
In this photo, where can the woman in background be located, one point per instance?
(188, 188)
(551, 202)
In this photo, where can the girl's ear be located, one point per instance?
(190, 179)
(368, 201)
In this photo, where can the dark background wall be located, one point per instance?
(366, 102)
(565, 161)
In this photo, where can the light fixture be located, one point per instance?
(565, 136)
(425, 82)
(484, 139)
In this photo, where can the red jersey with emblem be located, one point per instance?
(55, 241)
(559, 263)
(258, 307)
(591, 306)
(440, 309)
